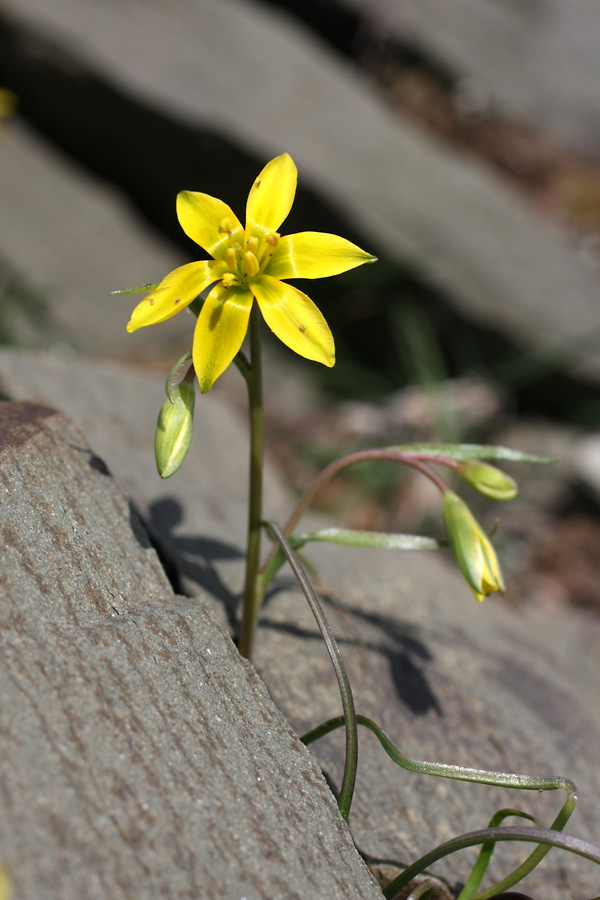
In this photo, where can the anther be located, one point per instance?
(226, 226)
(251, 263)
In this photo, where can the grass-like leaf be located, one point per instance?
(465, 452)
(139, 289)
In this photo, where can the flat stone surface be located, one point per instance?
(139, 755)
(538, 60)
(414, 200)
(116, 406)
(74, 240)
(449, 680)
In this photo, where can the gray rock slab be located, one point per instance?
(74, 239)
(449, 679)
(415, 200)
(586, 463)
(139, 755)
(116, 406)
(538, 60)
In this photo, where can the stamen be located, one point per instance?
(226, 226)
(251, 263)
(252, 244)
(231, 258)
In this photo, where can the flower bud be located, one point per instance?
(174, 429)
(488, 480)
(473, 553)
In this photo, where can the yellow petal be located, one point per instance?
(174, 293)
(492, 575)
(220, 332)
(295, 319)
(271, 196)
(205, 220)
(315, 254)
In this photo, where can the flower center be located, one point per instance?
(246, 258)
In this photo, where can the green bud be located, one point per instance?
(473, 553)
(488, 480)
(174, 429)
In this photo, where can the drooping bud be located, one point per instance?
(174, 429)
(488, 480)
(473, 553)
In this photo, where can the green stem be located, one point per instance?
(348, 720)
(545, 836)
(253, 593)
(324, 477)
(478, 776)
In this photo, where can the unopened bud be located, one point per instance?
(488, 480)
(174, 429)
(473, 553)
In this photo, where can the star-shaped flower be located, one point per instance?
(249, 264)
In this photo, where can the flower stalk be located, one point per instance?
(253, 591)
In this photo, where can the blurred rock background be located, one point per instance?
(458, 142)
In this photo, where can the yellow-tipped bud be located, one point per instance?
(174, 430)
(488, 480)
(473, 553)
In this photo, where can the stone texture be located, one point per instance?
(586, 463)
(414, 200)
(116, 407)
(538, 60)
(74, 240)
(448, 679)
(139, 755)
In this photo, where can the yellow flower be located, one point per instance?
(250, 264)
(473, 553)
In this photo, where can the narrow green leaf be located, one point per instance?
(471, 451)
(172, 376)
(372, 539)
(485, 854)
(140, 289)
